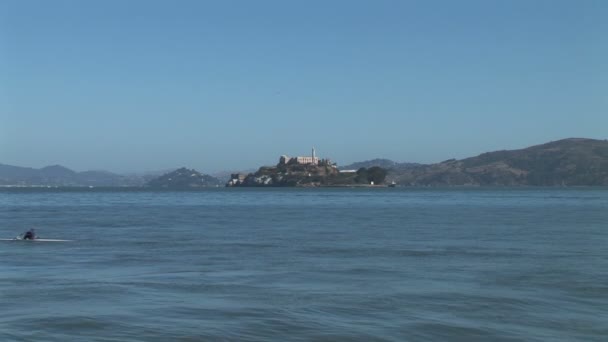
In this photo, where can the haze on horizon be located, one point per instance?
(140, 85)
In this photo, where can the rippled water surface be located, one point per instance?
(306, 264)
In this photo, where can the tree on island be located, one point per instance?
(374, 174)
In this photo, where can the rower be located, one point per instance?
(30, 235)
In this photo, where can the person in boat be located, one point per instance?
(29, 235)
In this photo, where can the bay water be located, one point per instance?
(392, 264)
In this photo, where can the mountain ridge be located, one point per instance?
(57, 175)
(379, 162)
(565, 162)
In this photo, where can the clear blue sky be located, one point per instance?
(225, 85)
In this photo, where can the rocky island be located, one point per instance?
(308, 171)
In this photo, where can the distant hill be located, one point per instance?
(383, 163)
(57, 175)
(568, 162)
(9, 173)
(184, 178)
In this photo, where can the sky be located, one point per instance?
(130, 86)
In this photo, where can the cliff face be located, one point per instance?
(571, 162)
(183, 179)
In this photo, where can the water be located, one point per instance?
(306, 264)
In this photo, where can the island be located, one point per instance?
(308, 171)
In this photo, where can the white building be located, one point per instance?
(309, 160)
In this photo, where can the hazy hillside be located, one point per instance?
(184, 178)
(57, 175)
(383, 163)
(569, 162)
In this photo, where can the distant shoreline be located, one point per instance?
(33, 189)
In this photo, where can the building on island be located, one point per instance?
(306, 160)
(236, 179)
(290, 171)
